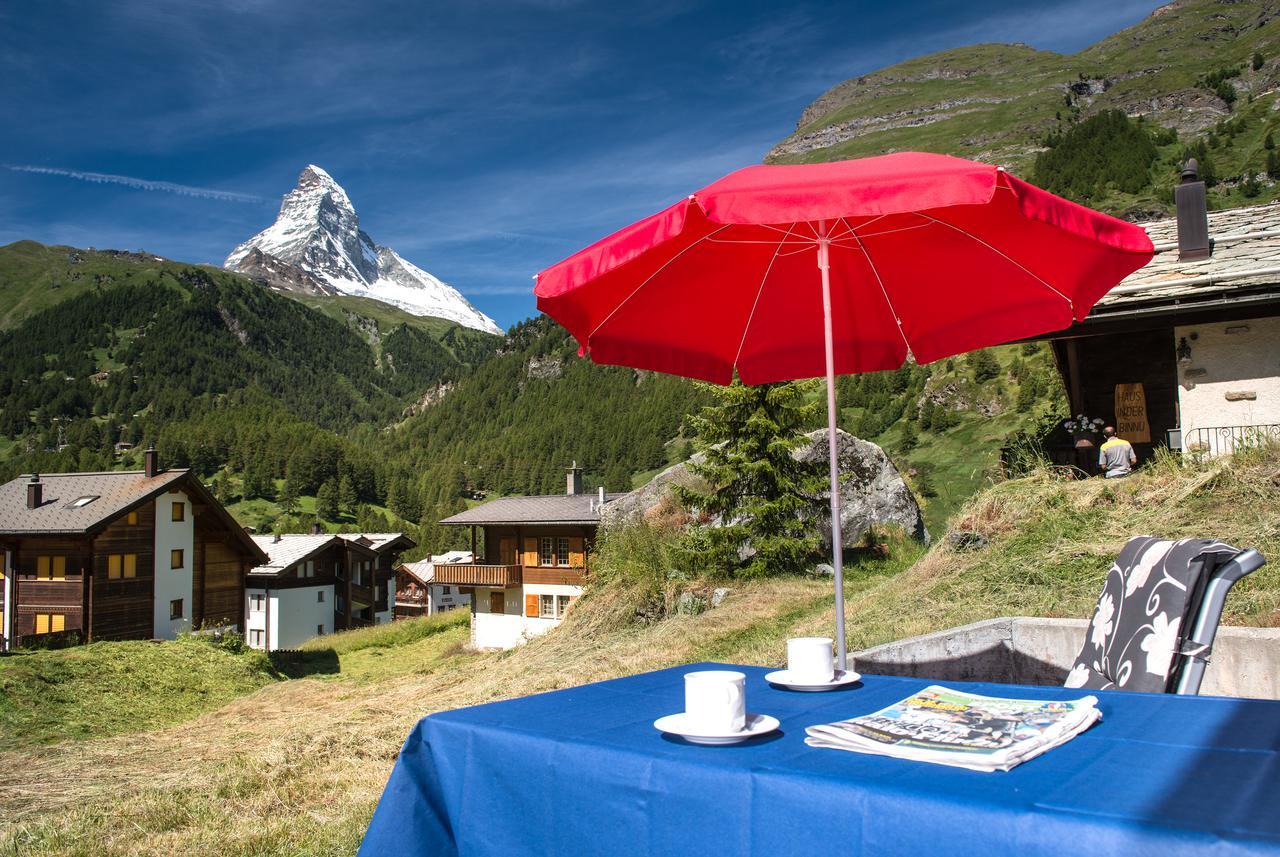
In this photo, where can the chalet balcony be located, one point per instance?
(474, 574)
(556, 575)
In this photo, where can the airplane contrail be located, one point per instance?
(139, 184)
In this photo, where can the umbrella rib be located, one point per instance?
(879, 282)
(747, 327)
(1004, 256)
(646, 280)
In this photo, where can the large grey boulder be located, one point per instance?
(872, 491)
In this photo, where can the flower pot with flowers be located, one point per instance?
(1084, 430)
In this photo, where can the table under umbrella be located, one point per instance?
(802, 271)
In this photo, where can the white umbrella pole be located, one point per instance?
(837, 552)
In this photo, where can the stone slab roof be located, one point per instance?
(1245, 259)
(114, 493)
(547, 509)
(289, 549)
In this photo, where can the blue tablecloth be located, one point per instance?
(583, 772)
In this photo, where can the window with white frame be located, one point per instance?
(257, 603)
(255, 638)
(547, 550)
(547, 606)
(562, 551)
(562, 604)
(320, 596)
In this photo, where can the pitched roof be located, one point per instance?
(546, 509)
(1244, 264)
(114, 493)
(379, 542)
(289, 549)
(423, 571)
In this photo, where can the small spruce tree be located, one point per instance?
(327, 501)
(755, 486)
(909, 439)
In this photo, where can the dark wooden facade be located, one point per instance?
(1092, 367)
(101, 585)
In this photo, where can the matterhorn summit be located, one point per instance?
(316, 246)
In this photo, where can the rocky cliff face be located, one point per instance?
(316, 246)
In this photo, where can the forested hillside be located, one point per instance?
(339, 409)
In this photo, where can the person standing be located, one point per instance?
(1115, 456)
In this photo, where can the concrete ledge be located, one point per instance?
(1032, 650)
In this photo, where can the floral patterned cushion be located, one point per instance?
(1150, 597)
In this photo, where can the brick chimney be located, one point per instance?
(573, 485)
(151, 462)
(1193, 214)
(35, 492)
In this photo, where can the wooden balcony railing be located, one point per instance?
(471, 574)
(559, 575)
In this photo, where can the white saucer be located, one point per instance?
(783, 678)
(676, 724)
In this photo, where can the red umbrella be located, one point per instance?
(788, 272)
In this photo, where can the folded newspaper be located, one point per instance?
(947, 727)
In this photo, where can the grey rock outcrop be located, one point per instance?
(872, 491)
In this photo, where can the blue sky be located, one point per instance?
(482, 140)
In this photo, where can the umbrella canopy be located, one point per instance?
(929, 254)
(800, 271)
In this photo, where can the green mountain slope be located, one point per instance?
(1189, 67)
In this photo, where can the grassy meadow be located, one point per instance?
(295, 762)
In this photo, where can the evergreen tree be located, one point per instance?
(755, 486)
(984, 365)
(289, 492)
(909, 438)
(327, 501)
(347, 496)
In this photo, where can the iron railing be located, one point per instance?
(1226, 440)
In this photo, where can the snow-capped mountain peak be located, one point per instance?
(318, 232)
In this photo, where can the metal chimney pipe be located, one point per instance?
(1193, 214)
(35, 492)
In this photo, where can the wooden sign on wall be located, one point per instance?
(1131, 413)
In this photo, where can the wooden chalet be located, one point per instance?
(1185, 352)
(118, 555)
(532, 557)
(418, 593)
(366, 588)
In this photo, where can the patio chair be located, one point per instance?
(1156, 619)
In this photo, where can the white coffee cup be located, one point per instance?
(715, 700)
(809, 659)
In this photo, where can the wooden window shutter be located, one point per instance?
(531, 551)
(42, 568)
(58, 622)
(42, 623)
(531, 605)
(59, 568)
(113, 566)
(577, 558)
(131, 565)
